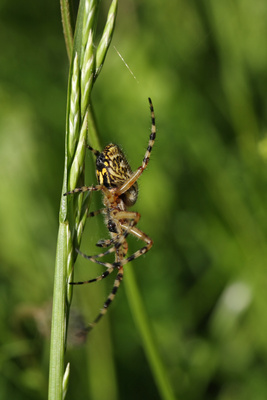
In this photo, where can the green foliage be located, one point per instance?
(202, 200)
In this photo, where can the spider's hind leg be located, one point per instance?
(109, 300)
(140, 235)
(109, 270)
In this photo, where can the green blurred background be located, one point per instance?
(202, 199)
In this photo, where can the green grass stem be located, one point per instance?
(57, 348)
(66, 24)
(149, 343)
(73, 210)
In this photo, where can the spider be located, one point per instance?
(119, 186)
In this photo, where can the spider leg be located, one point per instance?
(134, 231)
(84, 189)
(119, 240)
(128, 215)
(106, 242)
(116, 239)
(133, 218)
(108, 265)
(91, 258)
(152, 136)
(109, 300)
(109, 242)
(98, 278)
(96, 152)
(140, 235)
(129, 182)
(94, 213)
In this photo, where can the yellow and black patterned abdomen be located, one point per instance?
(113, 169)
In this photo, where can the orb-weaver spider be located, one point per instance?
(120, 190)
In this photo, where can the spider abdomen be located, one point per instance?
(113, 169)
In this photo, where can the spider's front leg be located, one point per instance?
(135, 176)
(84, 189)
